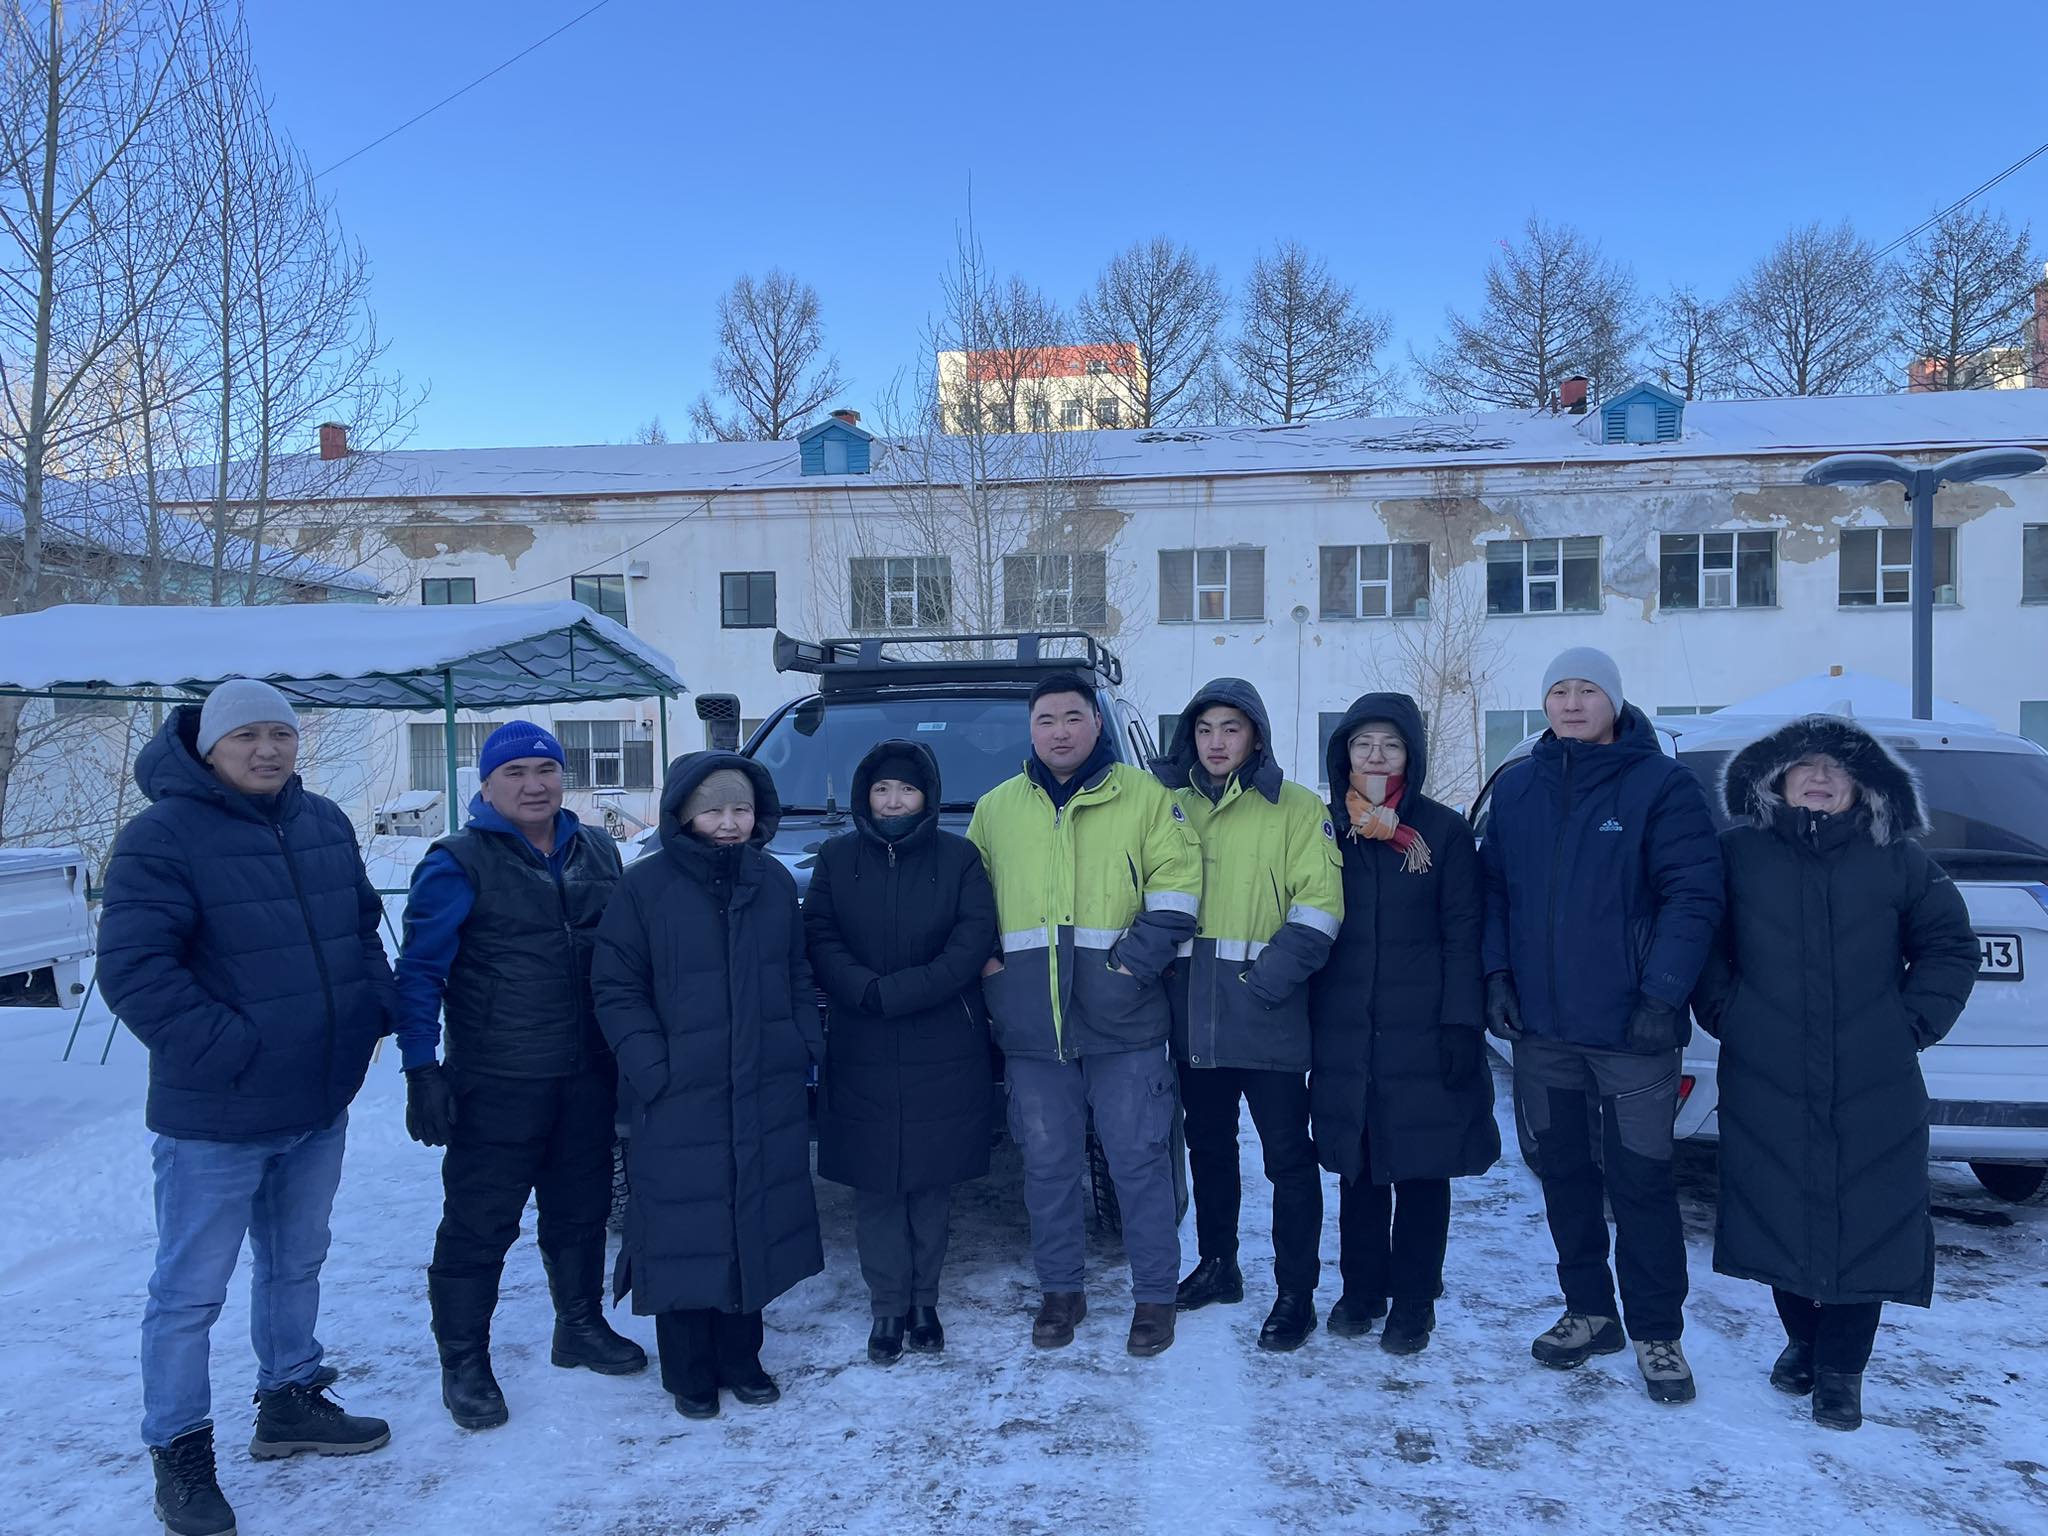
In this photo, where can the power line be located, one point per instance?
(453, 95)
(1970, 196)
(606, 559)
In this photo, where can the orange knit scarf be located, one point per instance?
(1371, 800)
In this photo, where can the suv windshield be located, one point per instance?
(815, 746)
(1989, 809)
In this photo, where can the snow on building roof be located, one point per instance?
(1856, 694)
(1712, 429)
(339, 655)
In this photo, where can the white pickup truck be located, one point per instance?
(45, 927)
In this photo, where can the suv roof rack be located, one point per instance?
(863, 661)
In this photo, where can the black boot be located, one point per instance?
(885, 1340)
(1793, 1372)
(299, 1418)
(1354, 1315)
(924, 1334)
(1213, 1280)
(1291, 1321)
(582, 1336)
(1409, 1326)
(462, 1308)
(188, 1496)
(1838, 1399)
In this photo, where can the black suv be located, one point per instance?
(963, 696)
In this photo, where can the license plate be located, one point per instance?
(1999, 957)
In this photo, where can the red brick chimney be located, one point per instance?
(1571, 394)
(847, 415)
(333, 440)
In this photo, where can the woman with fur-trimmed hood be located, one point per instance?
(1845, 951)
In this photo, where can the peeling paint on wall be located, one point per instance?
(427, 538)
(1461, 520)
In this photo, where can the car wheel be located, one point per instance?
(2015, 1183)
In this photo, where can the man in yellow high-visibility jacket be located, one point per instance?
(1097, 879)
(1272, 901)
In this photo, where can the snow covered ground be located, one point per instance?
(1214, 1436)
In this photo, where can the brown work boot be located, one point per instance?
(1053, 1327)
(1151, 1328)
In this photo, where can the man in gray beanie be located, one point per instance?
(1603, 893)
(239, 942)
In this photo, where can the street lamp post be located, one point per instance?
(1920, 485)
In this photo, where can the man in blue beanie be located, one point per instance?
(499, 928)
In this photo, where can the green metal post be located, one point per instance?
(448, 731)
(661, 769)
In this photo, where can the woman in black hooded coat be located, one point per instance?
(705, 998)
(1845, 952)
(901, 918)
(1401, 1095)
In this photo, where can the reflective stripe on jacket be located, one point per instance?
(1114, 879)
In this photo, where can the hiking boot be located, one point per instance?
(1793, 1372)
(1212, 1281)
(1151, 1328)
(1289, 1324)
(188, 1496)
(885, 1340)
(1058, 1313)
(1575, 1338)
(470, 1392)
(1408, 1328)
(1665, 1372)
(1838, 1399)
(582, 1336)
(923, 1333)
(1353, 1316)
(297, 1417)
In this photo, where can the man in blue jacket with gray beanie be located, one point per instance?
(1603, 893)
(238, 941)
(499, 929)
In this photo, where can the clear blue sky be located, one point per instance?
(548, 249)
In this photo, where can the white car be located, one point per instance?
(45, 928)
(1987, 796)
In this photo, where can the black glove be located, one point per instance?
(1458, 1050)
(1503, 1008)
(1655, 1026)
(430, 1112)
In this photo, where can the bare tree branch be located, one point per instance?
(771, 366)
(1689, 346)
(1158, 297)
(1964, 299)
(1305, 346)
(1810, 318)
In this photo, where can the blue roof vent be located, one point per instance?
(838, 445)
(1642, 413)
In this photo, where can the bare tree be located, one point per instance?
(649, 431)
(1554, 307)
(1689, 346)
(1965, 295)
(771, 366)
(1158, 297)
(1810, 318)
(1305, 346)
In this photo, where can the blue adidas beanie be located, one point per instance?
(518, 738)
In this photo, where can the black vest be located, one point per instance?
(518, 997)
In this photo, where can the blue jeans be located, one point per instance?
(277, 1190)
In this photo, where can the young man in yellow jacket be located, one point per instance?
(1097, 881)
(1272, 901)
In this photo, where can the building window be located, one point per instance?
(1507, 728)
(1543, 576)
(1106, 412)
(1212, 586)
(429, 751)
(1718, 570)
(1375, 581)
(1690, 709)
(2034, 563)
(1097, 365)
(1073, 414)
(746, 599)
(901, 591)
(605, 754)
(1877, 567)
(2034, 720)
(1039, 413)
(446, 591)
(601, 594)
(1056, 591)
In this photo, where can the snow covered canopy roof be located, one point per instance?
(1815, 425)
(338, 655)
